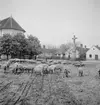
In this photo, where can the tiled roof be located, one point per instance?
(97, 47)
(82, 50)
(10, 23)
(59, 52)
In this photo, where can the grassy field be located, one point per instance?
(86, 88)
(51, 89)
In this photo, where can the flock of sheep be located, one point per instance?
(39, 67)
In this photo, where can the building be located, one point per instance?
(70, 53)
(93, 53)
(59, 54)
(10, 26)
(46, 53)
(80, 52)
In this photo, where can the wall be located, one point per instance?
(93, 51)
(71, 54)
(9, 31)
(5, 57)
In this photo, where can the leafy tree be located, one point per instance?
(64, 47)
(19, 45)
(5, 44)
(34, 46)
(53, 50)
(15, 49)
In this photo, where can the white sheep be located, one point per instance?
(51, 68)
(38, 70)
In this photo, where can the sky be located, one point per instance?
(56, 21)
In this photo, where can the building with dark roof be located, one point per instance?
(10, 26)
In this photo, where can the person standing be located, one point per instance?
(99, 72)
(67, 73)
(35, 57)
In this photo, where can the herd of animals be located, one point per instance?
(39, 67)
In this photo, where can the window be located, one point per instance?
(90, 56)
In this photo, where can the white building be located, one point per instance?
(10, 26)
(80, 52)
(93, 53)
(70, 53)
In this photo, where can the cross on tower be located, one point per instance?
(74, 50)
(74, 39)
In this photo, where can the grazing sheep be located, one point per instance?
(45, 69)
(80, 71)
(17, 68)
(59, 67)
(55, 68)
(51, 68)
(39, 69)
(7, 67)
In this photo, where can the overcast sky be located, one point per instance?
(55, 21)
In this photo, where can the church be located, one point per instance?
(10, 26)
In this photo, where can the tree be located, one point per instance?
(19, 46)
(52, 49)
(5, 44)
(34, 46)
(15, 49)
(64, 47)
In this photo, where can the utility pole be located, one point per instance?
(74, 49)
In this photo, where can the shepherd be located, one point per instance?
(99, 72)
(67, 73)
(35, 57)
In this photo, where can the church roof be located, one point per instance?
(10, 23)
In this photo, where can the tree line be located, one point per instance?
(19, 46)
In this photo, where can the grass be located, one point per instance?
(86, 89)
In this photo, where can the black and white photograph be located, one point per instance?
(49, 52)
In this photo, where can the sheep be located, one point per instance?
(55, 68)
(8, 66)
(80, 71)
(40, 69)
(45, 69)
(51, 68)
(17, 68)
(59, 67)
